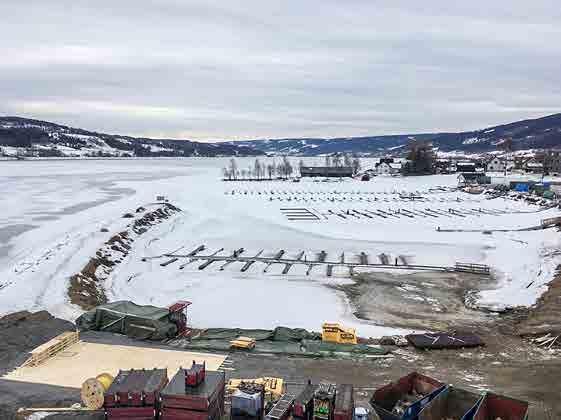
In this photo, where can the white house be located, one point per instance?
(497, 164)
(384, 168)
(500, 164)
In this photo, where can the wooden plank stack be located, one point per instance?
(52, 347)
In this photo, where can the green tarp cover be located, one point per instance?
(278, 334)
(281, 340)
(124, 317)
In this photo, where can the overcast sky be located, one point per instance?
(228, 69)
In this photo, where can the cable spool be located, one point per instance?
(93, 390)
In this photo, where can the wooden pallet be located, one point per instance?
(52, 347)
(473, 268)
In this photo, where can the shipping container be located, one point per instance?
(344, 402)
(404, 399)
(168, 413)
(136, 413)
(303, 407)
(496, 406)
(452, 403)
(136, 388)
(200, 398)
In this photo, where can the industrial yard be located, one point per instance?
(393, 256)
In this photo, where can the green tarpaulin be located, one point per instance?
(281, 340)
(124, 317)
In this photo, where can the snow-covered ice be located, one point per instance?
(53, 212)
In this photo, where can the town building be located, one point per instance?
(384, 168)
(552, 162)
(500, 164)
(466, 166)
(533, 166)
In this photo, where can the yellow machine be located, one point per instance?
(335, 333)
(274, 387)
(246, 343)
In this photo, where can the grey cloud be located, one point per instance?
(215, 69)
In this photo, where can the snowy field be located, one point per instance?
(53, 211)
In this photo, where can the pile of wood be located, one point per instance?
(547, 341)
(51, 348)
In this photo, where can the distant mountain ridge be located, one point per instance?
(537, 133)
(44, 138)
(49, 139)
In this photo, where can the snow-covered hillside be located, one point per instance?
(21, 137)
(529, 134)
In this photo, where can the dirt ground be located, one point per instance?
(546, 316)
(507, 365)
(420, 300)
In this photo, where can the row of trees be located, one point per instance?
(343, 159)
(259, 170)
(420, 159)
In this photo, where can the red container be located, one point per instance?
(200, 398)
(496, 406)
(181, 414)
(135, 413)
(344, 402)
(195, 375)
(136, 388)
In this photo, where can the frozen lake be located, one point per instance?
(53, 213)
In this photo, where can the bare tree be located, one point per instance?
(336, 160)
(301, 165)
(257, 169)
(287, 167)
(507, 146)
(327, 161)
(244, 173)
(347, 160)
(226, 174)
(356, 165)
(270, 170)
(234, 168)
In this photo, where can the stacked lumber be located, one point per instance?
(52, 347)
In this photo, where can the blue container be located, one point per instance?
(522, 187)
(384, 399)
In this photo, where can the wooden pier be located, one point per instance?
(359, 261)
